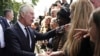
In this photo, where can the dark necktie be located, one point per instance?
(10, 23)
(28, 36)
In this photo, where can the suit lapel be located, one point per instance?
(22, 37)
(7, 22)
(2, 23)
(19, 30)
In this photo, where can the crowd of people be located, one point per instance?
(65, 30)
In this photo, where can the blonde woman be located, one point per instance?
(53, 23)
(94, 31)
(80, 12)
(45, 24)
(45, 27)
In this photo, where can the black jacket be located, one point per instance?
(16, 42)
(87, 48)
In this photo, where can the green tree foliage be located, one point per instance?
(15, 8)
(12, 4)
(5, 4)
(35, 1)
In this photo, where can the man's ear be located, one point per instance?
(22, 14)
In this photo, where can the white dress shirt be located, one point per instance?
(2, 43)
(8, 21)
(23, 29)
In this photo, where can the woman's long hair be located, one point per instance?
(81, 11)
(45, 26)
(96, 20)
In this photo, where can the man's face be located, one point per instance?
(10, 15)
(54, 13)
(53, 25)
(96, 3)
(60, 20)
(28, 17)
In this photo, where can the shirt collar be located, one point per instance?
(8, 21)
(22, 27)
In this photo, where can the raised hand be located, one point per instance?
(57, 53)
(43, 54)
(81, 33)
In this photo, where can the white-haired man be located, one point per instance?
(20, 38)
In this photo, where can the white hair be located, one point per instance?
(23, 9)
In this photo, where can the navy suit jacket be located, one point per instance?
(16, 42)
(4, 26)
(4, 23)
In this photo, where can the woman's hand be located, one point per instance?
(43, 54)
(81, 33)
(57, 53)
(67, 27)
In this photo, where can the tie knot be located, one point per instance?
(26, 28)
(10, 23)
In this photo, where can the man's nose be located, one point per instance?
(33, 17)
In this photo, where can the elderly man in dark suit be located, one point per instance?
(20, 38)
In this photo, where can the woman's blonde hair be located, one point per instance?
(81, 13)
(45, 26)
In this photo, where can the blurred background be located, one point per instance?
(40, 6)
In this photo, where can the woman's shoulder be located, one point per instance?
(86, 48)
